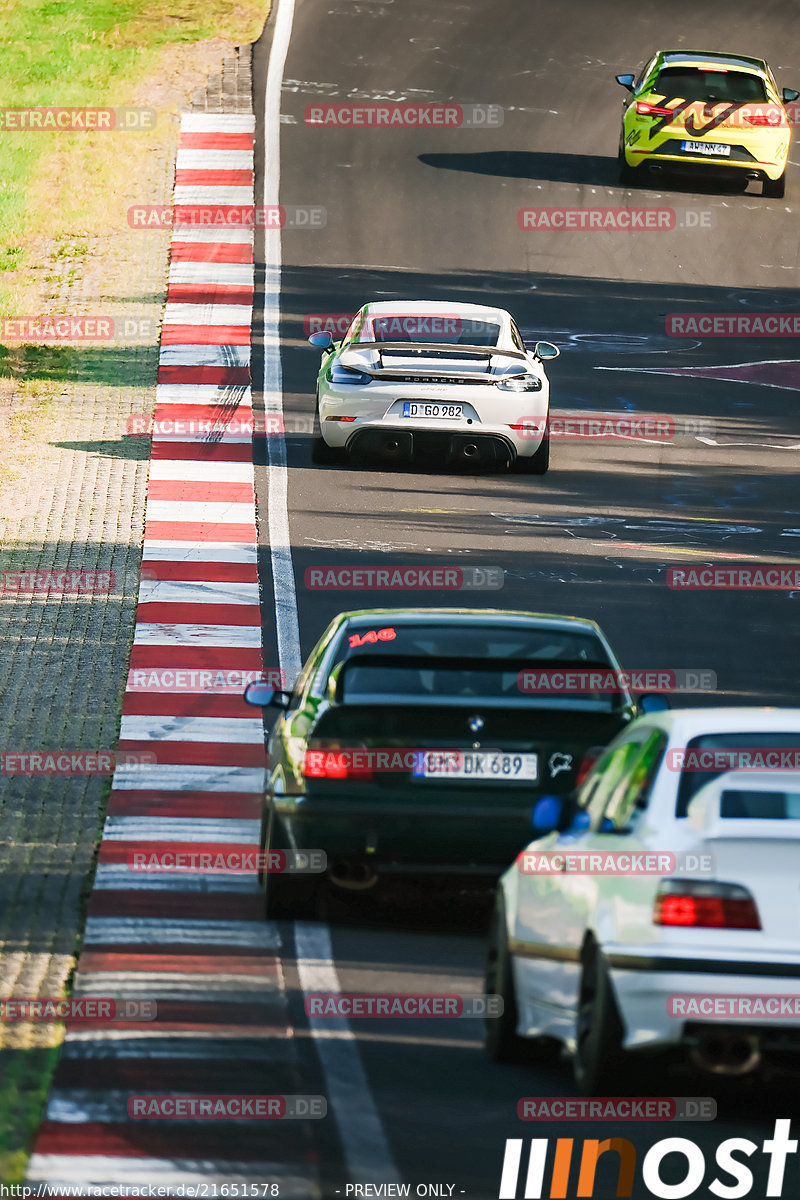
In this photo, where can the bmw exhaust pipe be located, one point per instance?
(727, 1054)
(353, 876)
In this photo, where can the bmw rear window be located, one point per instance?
(692, 83)
(693, 780)
(760, 806)
(524, 647)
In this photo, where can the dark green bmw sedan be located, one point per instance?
(417, 743)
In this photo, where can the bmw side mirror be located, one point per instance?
(653, 702)
(790, 94)
(547, 813)
(626, 81)
(263, 695)
(546, 350)
(322, 340)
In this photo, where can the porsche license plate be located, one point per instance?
(432, 411)
(712, 149)
(477, 764)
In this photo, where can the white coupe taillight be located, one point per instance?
(691, 903)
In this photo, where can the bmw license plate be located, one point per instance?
(712, 149)
(476, 764)
(416, 408)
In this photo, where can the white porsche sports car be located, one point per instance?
(451, 381)
(658, 913)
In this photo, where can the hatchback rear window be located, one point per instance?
(690, 83)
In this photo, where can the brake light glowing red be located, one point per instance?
(335, 764)
(652, 110)
(590, 757)
(705, 906)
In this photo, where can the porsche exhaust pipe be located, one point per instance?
(353, 876)
(727, 1053)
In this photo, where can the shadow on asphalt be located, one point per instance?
(593, 169)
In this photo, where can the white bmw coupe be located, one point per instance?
(657, 912)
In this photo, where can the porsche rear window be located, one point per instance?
(429, 327)
(691, 83)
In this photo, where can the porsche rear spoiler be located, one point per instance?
(426, 348)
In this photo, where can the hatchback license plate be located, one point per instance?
(712, 149)
(415, 408)
(476, 764)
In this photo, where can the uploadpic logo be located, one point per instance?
(528, 1183)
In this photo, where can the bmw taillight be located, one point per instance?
(653, 110)
(337, 762)
(691, 903)
(765, 116)
(590, 757)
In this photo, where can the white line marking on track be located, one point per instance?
(366, 1150)
(364, 1145)
(286, 620)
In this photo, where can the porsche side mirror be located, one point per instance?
(323, 340)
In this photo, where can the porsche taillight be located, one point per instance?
(688, 903)
(653, 110)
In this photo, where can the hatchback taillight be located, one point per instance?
(766, 116)
(692, 903)
(653, 110)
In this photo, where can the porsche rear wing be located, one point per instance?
(428, 348)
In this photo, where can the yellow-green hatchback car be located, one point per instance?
(714, 115)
